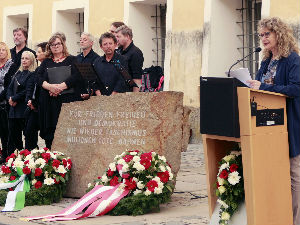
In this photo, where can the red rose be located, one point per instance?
(137, 151)
(11, 189)
(130, 183)
(12, 178)
(26, 162)
(218, 185)
(12, 155)
(25, 152)
(65, 163)
(128, 158)
(125, 175)
(147, 156)
(151, 185)
(70, 164)
(110, 173)
(163, 176)
(26, 170)
(46, 149)
(46, 156)
(5, 169)
(99, 178)
(224, 174)
(38, 184)
(146, 163)
(233, 168)
(55, 163)
(62, 175)
(38, 172)
(114, 181)
(56, 181)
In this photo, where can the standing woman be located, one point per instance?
(280, 72)
(5, 78)
(16, 94)
(52, 95)
(32, 94)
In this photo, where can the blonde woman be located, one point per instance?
(16, 93)
(280, 72)
(6, 71)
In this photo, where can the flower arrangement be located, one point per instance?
(230, 185)
(147, 176)
(46, 173)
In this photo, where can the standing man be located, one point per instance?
(86, 44)
(106, 70)
(20, 40)
(132, 53)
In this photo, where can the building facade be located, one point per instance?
(189, 38)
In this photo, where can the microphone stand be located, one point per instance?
(256, 50)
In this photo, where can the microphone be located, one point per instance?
(256, 50)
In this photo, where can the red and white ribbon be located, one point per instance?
(101, 199)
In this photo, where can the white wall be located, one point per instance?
(14, 17)
(221, 43)
(66, 22)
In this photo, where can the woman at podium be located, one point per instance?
(280, 72)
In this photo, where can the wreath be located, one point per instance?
(39, 175)
(147, 176)
(230, 185)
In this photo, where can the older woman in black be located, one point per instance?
(53, 94)
(6, 72)
(16, 93)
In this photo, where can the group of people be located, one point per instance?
(31, 96)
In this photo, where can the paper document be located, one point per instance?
(241, 74)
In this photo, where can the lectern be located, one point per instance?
(265, 151)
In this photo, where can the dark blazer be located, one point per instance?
(287, 81)
(18, 93)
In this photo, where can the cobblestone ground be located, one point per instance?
(187, 207)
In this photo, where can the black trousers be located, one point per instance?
(31, 130)
(16, 127)
(4, 130)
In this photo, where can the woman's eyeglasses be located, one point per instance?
(266, 34)
(55, 45)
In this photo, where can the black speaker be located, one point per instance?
(219, 113)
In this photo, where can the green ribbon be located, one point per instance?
(20, 198)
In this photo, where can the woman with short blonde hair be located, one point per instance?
(280, 72)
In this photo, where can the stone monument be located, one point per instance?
(92, 132)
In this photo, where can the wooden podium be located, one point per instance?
(265, 153)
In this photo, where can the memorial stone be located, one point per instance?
(94, 131)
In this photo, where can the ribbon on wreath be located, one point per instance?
(15, 200)
(100, 200)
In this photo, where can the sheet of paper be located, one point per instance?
(241, 74)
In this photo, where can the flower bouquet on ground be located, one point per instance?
(36, 177)
(147, 176)
(230, 185)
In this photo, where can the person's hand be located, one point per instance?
(11, 102)
(85, 96)
(255, 84)
(54, 89)
(30, 105)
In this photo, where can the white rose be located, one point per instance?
(136, 159)
(222, 189)
(225, 216)
(116, 157)
(220, 181)
(137, 191)
(125, 168)
(121, 161)
(169, 169)
(104, 178)
(9, 162)
(28, 157)
(234, 178)
(4, 179)
(40, 162)
(140, 185)
(160, 184)
(53, 156)
(61, 169)
(147, 192)
(18, 163)
(33, 181)
(138, 166)
(223, 167)
(112, 166)
(162, 158)
(135, 179)
(58, 153)
(222, 203)
(153, 154)
(31, 164)
(49, 181)
(171, 176)
(162, 168)
(89, 185)
(133, 153)
(157, 190)
(157, 179)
